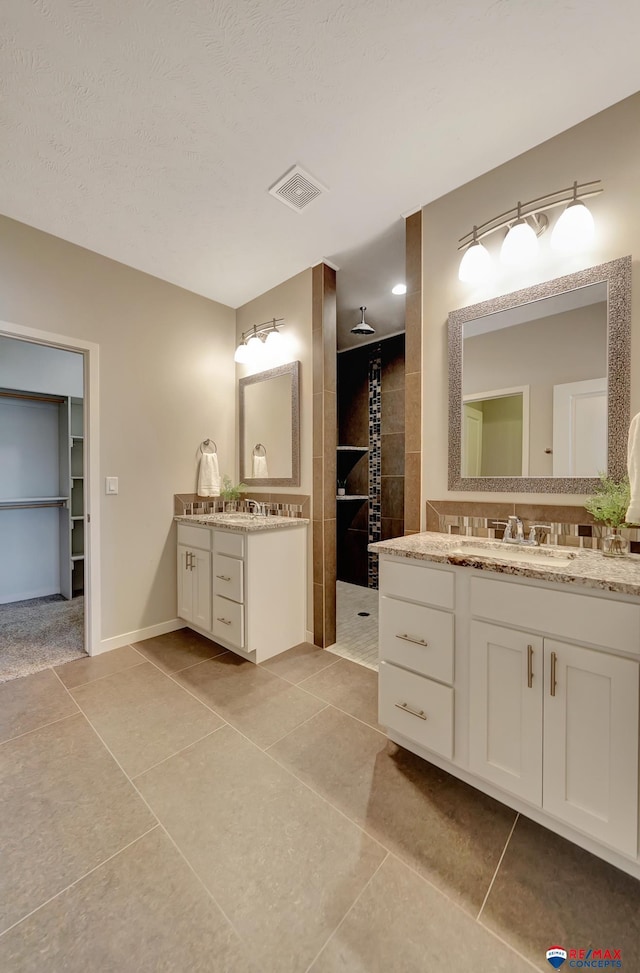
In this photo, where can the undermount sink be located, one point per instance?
(518, 552)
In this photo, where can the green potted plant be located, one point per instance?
(609, 505)
(230, 493)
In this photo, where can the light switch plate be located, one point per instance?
(111, 485)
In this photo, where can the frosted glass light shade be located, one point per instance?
(274, 341)
(574, 230)
(476, 264)
(254, 350)
(242, 354)
(520, 245)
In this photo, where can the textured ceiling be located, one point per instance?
(150, 131)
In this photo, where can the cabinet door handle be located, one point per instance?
(188, 556)
(223, 577)
(409, 638)
(529, 666)
(225, 621)
(553, 682)
(414, 712)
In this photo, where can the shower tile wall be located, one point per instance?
(354, 387)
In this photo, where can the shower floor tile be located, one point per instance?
(356, 635)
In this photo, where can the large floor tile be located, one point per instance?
(32, 701)
(300, 662)
(349, 686)
(449, 832)
(177, 650)
(143, 716)
(143, 911)
(283, 865)
(80, 671)
(66, 807)
(550, 892)
(401, 925)
(259, 704)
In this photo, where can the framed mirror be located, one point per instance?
(269, 411)
(539, 385)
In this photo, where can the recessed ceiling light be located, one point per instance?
(399, 289)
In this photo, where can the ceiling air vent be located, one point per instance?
(297, 189)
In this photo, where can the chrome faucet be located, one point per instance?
(514, 531)
(260, 509)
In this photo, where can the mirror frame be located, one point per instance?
(617, 275)
(292, 369)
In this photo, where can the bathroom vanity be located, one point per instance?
(242, 581)
(518, 672)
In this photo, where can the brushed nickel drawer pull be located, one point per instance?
(529, 666)
(409, 638)
(407, 709)
(225, 621)
(554, 682)
(223, 577)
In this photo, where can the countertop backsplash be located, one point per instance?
(570, 526)
(277, 504)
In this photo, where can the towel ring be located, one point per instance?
(208, 442)
(257, 448)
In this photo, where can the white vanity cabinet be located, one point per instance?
(244, 589)
(529, 690)
(194, 576)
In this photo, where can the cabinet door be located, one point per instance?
(591, 743)
(185, 584)
(201, 616)
(505, 722)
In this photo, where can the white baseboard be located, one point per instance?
(117, 641)
(309, 636)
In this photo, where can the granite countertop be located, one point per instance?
(241, 523)
(588, 569)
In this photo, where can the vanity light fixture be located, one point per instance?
(363, 327)
(399, 289)
(476, 264)
(525, 222)
(575, 229)
(262, 340)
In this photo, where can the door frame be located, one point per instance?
(90, 352)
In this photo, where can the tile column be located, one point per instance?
(413, 374)
(325, 422)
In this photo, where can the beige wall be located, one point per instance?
(292, 301)
(605, 147)
(166, 382)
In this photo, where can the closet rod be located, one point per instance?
(6, 394)
(30, 506)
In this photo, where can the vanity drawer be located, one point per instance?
(417, 637)
(578, 618)
(418, 708)
(228, 577)
(412, 580)
(228, 542)
(194, 536)
(228, 621)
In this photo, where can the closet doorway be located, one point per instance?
(46, 602)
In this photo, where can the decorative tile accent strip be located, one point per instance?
(588, 536)
(186, 504)
(375, 461)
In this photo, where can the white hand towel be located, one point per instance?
(259, 468)
(209, 476)
(633, 466)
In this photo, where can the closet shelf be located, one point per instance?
(77, 557)
(14, 500)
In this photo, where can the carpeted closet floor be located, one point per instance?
(38, 633)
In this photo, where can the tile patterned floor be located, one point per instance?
(169, 807)
(356, 635)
